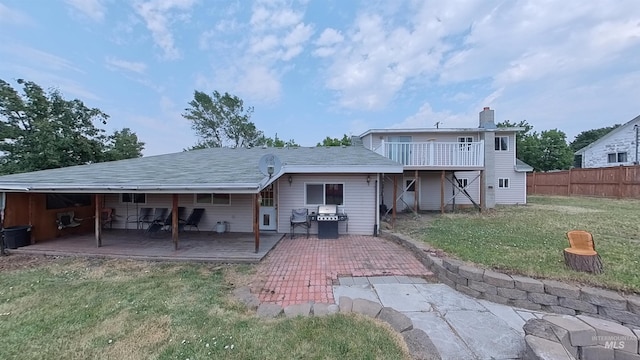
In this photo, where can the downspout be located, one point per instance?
(376, 227)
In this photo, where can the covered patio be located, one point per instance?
(135, 244)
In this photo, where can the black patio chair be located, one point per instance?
(159, 215)
(300, 218)
(145, 215)
(168, 221)
(194, 219)
(154, 228)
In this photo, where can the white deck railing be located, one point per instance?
(434, 154)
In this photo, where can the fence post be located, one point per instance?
(569, 182)
(533, 186)
(620, 183)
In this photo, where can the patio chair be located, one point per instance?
(107, 217)
(194, 218)
(154, 228)
(67, 220)
(159, 215)
(582, 255)
(168, 221)
(144, 215)
(300, 218)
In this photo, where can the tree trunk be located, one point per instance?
(588, 263)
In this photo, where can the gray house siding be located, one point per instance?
(359, 200)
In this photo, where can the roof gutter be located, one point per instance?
(250, 188)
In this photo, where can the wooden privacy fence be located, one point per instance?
(613, 182)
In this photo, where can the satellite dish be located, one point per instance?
(269, 164)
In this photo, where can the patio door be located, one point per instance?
(400, 149)
(268, 209)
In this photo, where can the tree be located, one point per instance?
(221, 120)
(556, 154)
(587, 137)
(123, 144)
(276, 142)
(544, 151)
(346, 141)
(41, 130)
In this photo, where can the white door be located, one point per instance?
(267, 209)
(409, 195)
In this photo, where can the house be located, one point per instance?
(618, 147)
(230, 184)
(447, 168)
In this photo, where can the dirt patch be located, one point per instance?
(19, 262)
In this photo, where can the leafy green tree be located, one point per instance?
(328, 141)
(41, 130)
(544, 151)
(276, 142)
(123, 144)
(556, 154)
(587, 137)
(221, 120)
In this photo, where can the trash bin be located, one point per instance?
(17, 236)
(220, 227)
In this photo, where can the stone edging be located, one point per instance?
(418, 342)
(524, 292)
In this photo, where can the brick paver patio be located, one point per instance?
(301, 270)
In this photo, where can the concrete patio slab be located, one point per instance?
(447, 299)
(450, 346)
(488, 336)
(402, 297)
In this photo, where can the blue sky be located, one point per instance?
(313, 69)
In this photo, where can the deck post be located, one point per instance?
(415, 193)
(395, 195)
(256, 216)
(32, 208)
(483, 204)
(174, 221)
(98, 218)
(442, 192)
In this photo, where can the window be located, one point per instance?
(463, 182)
(503, 183)
(502, 143)
(617, 157)
(324, 194)
(215, 199)
(133, 198)
(465, 142)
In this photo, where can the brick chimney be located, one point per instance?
(487, 119)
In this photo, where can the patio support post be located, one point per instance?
(395, 196)
(32, 208)
(416, 193)
(98, 217)
(483, 204)
(256, 216)
(174, 221)
(442, 192)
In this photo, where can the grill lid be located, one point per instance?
(327, 209)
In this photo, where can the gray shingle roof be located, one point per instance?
(522, 166)
(216, 168)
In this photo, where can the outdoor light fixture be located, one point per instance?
(270, 170)
(368, 179)
(290, 180)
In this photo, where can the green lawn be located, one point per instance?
(98, 309)
(529, 239)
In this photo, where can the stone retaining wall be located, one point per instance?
(547, 295)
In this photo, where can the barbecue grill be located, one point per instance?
(328, 219)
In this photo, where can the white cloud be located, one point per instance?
(427, 118)
(12, 16)
(158, 15)
(93, 9)
(119, 64)
(39, 58)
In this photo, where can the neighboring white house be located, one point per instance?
(445, 168)
(618, 147)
